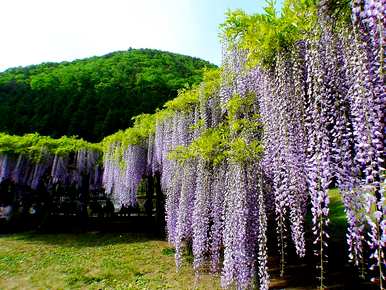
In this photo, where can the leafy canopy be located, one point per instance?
(36, 146)
(93, 98)
(265, 35)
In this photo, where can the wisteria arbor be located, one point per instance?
(47, 166)
(297, 108)
(263, 142)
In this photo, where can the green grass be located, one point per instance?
(338, 220)
(93, 261)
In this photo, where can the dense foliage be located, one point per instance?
(93, 97)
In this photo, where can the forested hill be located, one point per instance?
(93, 97)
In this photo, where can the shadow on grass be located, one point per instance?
(85, 239)
(340, 274)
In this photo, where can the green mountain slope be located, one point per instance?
(93, 97)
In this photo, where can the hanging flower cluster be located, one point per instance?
(69, 170)
(281, 98)
(123, 173)
(212, 197)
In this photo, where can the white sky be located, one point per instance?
(35, 31)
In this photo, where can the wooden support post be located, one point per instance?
(149, 196)
(160, 204)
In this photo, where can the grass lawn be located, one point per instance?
(92, 261)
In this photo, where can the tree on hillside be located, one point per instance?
(92, 97)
